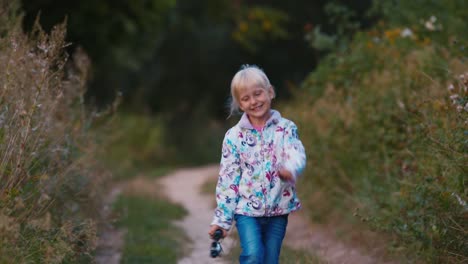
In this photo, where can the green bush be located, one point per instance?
(385, 129)
(133, 144)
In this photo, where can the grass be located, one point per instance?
(151, 237)
(51, 184)
(133, 151)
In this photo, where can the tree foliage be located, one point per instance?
(118, 35)
(179, 56)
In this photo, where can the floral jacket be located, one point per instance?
(248, 182)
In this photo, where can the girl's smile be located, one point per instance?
(255, 101)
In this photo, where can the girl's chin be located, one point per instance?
(258, 114)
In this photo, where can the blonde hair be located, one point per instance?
(247, 75)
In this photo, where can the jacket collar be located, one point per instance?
(244, 122)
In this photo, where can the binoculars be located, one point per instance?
(216, 249)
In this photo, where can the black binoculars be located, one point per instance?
(216, 249)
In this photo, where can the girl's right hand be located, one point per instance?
(213, 229)
(285, 175)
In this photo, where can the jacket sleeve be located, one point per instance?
(228, 183)
(294, 152)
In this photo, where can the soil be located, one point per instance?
(184, 187)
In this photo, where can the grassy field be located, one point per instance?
(151, 237)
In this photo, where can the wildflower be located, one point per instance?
(401, 104)
(451, 88)
(454, 98)
(464, 78)
(266, 25)
(43, 47)
(460, 200)
(406, 33)
(459, 108)
(466, 107)
(243, 27)
(429, 25)
(392, 34)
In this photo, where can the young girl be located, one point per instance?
(261, 158)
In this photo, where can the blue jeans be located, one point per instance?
(260, 238)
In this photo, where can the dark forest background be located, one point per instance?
(175, 59)
(178, 57)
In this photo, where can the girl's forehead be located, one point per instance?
(248, 87)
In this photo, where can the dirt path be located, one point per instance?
(313, 238)
(184, 187)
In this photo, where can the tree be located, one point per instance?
(118, 35)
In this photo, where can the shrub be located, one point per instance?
(385, 130)
(49, 181)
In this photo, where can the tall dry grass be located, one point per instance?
(49, 179)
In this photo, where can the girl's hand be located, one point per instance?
(285, 175)
(213, 229)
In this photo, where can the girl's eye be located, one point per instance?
(258, 93)
(245, 98)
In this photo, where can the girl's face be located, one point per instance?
(255, 101)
